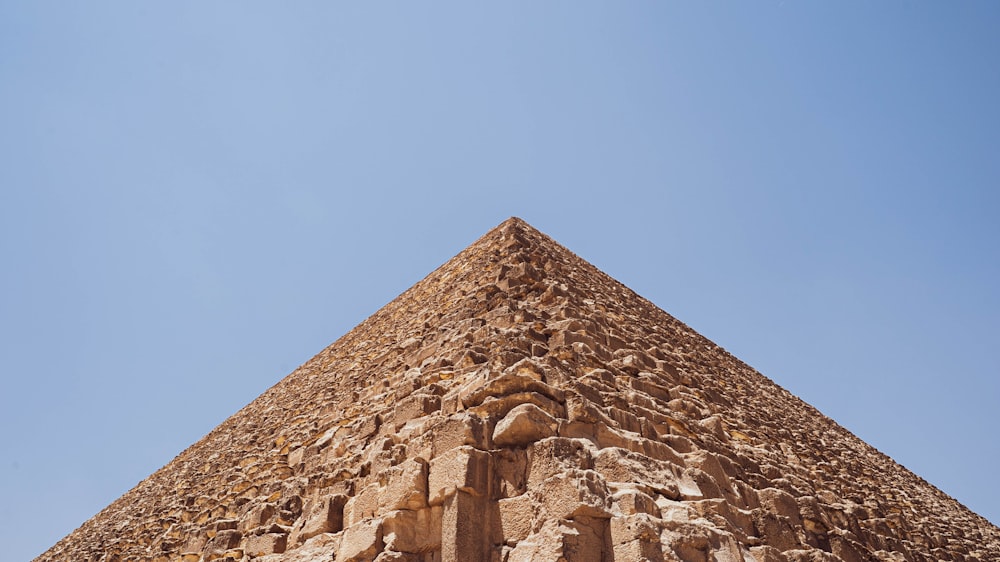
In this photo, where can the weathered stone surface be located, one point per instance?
(465, 532)
(522, 425)
(324, 515)
(463, 469)
(516, 517)
(519, 405)
(413, 531)
(406, 486)
(361, 542)
(268, 543)
(574, 493)
(552, 456)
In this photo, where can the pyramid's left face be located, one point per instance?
(379, 444)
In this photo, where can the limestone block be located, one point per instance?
(415, 406)
(628, 528)
(497, 407)
(522, 425)
(362, 506)
(573, 493)
(459, 429)
(563, 541)
(847, 549)
(679, 443)
(194, 543)
(528, 367)
(813, 555)
(704, 486)
(324, 515)
(697, 542)
(516, 518)
(406, 486)
(295, 456)
(510, 467)
(581, 409)
(725, 516)
(392, 556)
(361, 542)
(775, 530)
(767, 553)
(258, 515)
(511, 384)
(619, 465)
(780, 502)
(223, 541)
(586, 539)
(644, 384)
(639, 551)
(553, 455)
(631, 501)
(268, 543)
(413, 531)
(463, 469)
(625, 420)
(465, 532)
(709, 463)
(716, 427)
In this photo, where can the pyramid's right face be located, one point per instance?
(520, 405)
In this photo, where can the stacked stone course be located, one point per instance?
(520, 405)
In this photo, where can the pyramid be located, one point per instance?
(520, 405)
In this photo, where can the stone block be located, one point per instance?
(522, 425)
(645, 385)
(631, 501)
(362, 506)
(268, 543)
(709, 463)
(574, 493)
(413, 531)
(516, 518)
(497, 407)
(257, 516)
(585, 539)
(620, 465)
(223, 541)
(457, 430)
(725, 515)
(510, 468)
(628, 528)
(465, 533)
(463, 469)
(553, 455)
(415, 406)
(511, 384)
(323, 515)
(564, 541)
(780, 502)
(361, 542)
(638, 551)
(406, 486)
(767, 553)
(393, 556)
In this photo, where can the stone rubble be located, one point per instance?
(520, 405)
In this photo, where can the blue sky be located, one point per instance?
(197, 197)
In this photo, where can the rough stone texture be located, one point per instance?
(515, 405)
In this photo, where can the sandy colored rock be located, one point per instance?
(522, 425)
(520, 405)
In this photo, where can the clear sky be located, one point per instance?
(196, 197)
